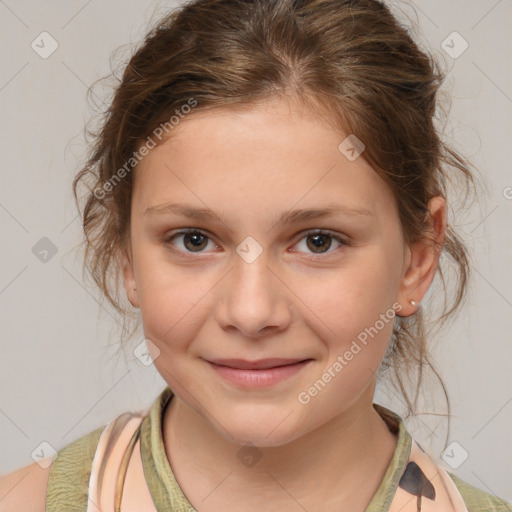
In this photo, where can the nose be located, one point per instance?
(254, 299)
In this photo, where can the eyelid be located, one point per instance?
(320, 231)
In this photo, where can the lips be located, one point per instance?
(263, 373)
(261, 364)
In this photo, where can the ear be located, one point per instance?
(130, 285)
(422, 258)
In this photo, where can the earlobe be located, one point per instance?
(423, 259)
(129, 282)
(410, 294)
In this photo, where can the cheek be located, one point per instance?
(355, 352)
(355, 297)
(169, 315)
(355, 320)
(174, 302)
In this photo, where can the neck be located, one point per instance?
(351, 451)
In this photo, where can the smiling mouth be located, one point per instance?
(261, 364)
(256, 374)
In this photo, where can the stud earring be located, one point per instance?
(413, 303)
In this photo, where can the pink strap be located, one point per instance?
(110, 450)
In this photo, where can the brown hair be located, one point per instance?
(349, 61)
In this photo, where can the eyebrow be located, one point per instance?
(297, 215)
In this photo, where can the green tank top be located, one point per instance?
(68, 483)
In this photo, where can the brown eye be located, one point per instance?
(319, 242)
(193, 241)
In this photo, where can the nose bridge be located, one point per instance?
(251, 276)
(252, 297)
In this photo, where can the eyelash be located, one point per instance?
(341, 241)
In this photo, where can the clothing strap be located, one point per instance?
(110, 466)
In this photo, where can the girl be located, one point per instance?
(270, 186)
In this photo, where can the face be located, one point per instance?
(249, 284)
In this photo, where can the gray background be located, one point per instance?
(57, 378)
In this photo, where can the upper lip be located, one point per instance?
(260, 364)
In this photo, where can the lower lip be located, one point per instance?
(258, 378)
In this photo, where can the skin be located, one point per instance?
(249, 167)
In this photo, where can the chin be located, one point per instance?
(260, 429)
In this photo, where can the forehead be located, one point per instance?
(271, 156)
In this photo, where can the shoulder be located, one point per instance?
(62, 485)
(24, 489)
(477, 500)
(68, 482)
